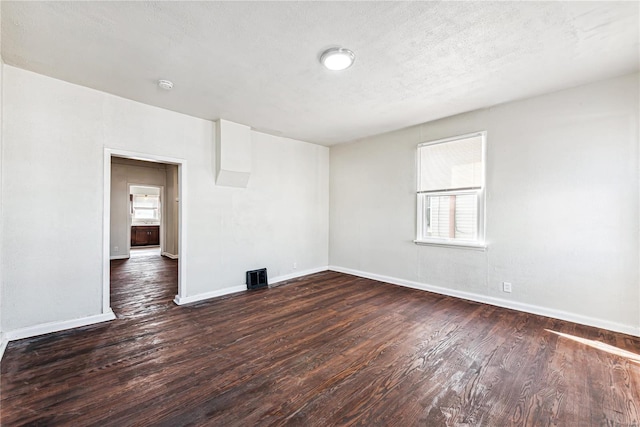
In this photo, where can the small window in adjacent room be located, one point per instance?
(145, 207)
(451, 191)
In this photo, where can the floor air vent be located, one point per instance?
(257, 279)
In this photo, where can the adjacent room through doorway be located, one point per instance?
(144, 224)
(146, 221)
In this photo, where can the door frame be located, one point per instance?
(106, 224)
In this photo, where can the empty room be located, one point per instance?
(320, 213)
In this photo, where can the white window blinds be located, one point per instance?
(145, 207)
(452, 216)
(451, 165)
(145, 202)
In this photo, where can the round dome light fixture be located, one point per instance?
(165, 84)
(337, 58)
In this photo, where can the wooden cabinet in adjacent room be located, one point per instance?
(145, 235)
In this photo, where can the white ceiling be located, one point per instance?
(256, 63)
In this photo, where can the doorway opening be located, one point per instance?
(144, 239)
(150, 219)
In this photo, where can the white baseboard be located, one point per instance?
(514, 305)
(207, 295)
(297, 274)
(46, 328)
(119, 257)
(233, 289)
(168, 255)
(3, 344)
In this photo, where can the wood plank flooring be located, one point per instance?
(326, 350)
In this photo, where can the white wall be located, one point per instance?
(562, 206)
(281, 218)
(123, 173)
(54, 137)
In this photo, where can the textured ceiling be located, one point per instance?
(256, 63)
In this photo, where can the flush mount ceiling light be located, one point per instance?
(165, 84)
(337, 58)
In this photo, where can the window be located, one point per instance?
(451, 191)
(145, 207)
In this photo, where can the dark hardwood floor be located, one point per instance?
(328, 349)
(144, 284)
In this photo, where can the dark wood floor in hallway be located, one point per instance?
(328, 349)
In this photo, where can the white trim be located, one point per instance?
(3, 344)
(119, 256)
(499, 302)
(453, 244)
(106, 231)
(240, 288)
(182, 300)
(482, 133)
(106, 224)
(168, 255)
(182, 228)
(47, 328)
(295, 275)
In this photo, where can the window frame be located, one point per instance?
(156, 210)
(421, 199)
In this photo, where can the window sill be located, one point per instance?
(458, 245)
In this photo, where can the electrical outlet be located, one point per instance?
(115, 248)
(506, 287)
(295, 265)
